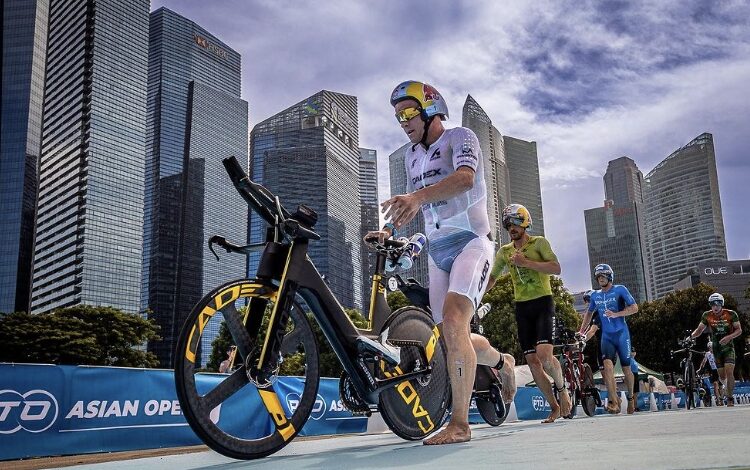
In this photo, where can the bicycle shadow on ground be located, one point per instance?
(390, 453)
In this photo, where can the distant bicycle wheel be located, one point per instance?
(588, 401)
(570, 385)
(690, 385)
(414, 408)
(247, 413)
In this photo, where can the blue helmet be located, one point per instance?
(605, 270)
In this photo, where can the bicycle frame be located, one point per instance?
(297, 275)
(573, 367)
(686, 364)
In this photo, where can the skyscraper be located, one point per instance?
(24, 57)
(495, 167)
(614, 236)
(195, 119)
(368, 190)
(523, 175)
(623, 181)
(89, 228)
(683, 218)
(309, 154)
(615, 232)
(398, 186)
(511, 171)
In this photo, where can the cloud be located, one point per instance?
(588, 81)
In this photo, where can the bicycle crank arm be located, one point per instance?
(382, 384)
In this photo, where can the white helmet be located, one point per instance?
(716, 297)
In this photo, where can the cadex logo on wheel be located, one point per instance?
(33, 411)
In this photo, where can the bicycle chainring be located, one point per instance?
(350, 398)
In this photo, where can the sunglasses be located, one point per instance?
(408, 114)
(718, 303)
(512, 221)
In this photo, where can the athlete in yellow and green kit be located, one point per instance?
(531, 261)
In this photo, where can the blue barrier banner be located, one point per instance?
(50, 410)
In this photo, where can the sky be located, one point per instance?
(588, 81)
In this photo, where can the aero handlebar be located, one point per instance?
(260, 199)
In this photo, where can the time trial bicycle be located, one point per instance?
(396, 366)
(689, 377)
(578, 377)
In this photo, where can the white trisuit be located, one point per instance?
(458, 229)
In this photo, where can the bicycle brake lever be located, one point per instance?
(215, 239)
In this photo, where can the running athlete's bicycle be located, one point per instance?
(487, 385)
(689, 377)
(397, 366)
(579, 379)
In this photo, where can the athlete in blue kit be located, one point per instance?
(613, 303)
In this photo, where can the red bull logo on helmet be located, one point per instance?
(430, 94)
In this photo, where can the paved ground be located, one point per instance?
(702, 438)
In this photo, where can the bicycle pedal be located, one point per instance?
(389, 352)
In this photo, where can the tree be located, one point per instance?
(80, 335)
(659, 324)
(329, 364)
(396, 300)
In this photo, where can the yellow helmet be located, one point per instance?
(516, 214)
(429, 99)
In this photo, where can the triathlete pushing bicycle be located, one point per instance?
(445, 179)
(724, 325)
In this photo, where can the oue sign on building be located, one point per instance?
(712, 271)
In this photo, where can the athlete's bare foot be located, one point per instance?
(565, 405)
(613, 406)
(631, 405)
(554, 414)
(508, 376)
(452, 434)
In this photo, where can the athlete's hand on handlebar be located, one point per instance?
(377, 236)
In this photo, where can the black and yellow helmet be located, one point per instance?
(516, 214)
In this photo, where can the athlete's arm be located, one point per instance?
(698, 331)
(498, 266)
(401, 209)
(728, 338)
(591, 332)
(546, 267)
(549, 265)
(586, 320)
(627, 311)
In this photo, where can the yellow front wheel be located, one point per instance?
(244, 412)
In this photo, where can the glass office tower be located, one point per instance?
(495, 167)
(368, 196)
(615, 236)
(89, 226)
(623, 181)
(615, 232)
(24, 56)
(309, 154)
(523, 174)
(195, 119)
(683, 219)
